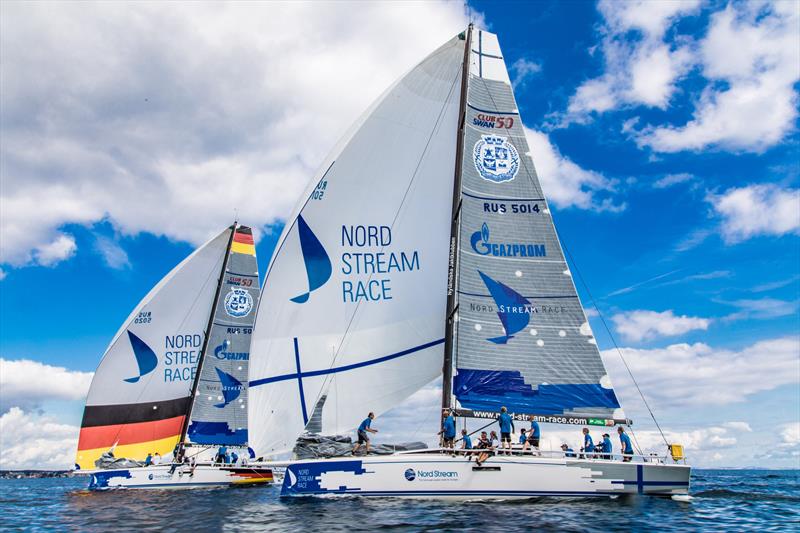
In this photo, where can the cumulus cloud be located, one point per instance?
(29, 441)
(757, 210)
(672, 179)
(565, 183)
(168, 118)
(25, 383)
(751, 59)
(641, 325)
(641, 68)
(699, 375)
(524, 69)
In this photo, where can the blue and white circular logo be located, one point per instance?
(150, 476)
(238, 302)
(410, 474)
(496, 159)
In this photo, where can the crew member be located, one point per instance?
(363, 429)
(448, 431)
(625, 442)
(506, 428)
(588, 443)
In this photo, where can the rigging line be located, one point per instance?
(613, 340)
(394, 220)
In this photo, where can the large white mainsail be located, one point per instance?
(521, 338)
(140, 393)
(352, 309)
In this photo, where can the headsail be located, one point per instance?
(522, 338)
(353, 299)
(139, 395)
(219, 411)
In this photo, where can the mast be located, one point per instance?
(452, 271)
(210, 323)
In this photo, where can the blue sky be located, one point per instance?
(665, 135)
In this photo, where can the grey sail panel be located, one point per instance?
(522, 337)
(219, 411)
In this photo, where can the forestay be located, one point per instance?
(219, 411)
(353, 299)
(140, 393)
(523, 340)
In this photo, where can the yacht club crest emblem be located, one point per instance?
(238, 302)
(496, 159)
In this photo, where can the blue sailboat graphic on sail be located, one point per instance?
(146, 358)
(231, 388)
(318, 264)
(513, 309)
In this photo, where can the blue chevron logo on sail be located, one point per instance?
(317, 262)
(146, 358)
(231, 388)
(513, 309)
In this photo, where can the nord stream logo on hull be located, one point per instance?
(317, 262)
(221, 352)
(481, 244)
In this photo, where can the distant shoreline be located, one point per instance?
(29, 474)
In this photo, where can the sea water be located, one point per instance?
(722, 500)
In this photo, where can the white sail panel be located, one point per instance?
(139, 394)
(351, 314)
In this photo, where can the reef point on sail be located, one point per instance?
(369, 263)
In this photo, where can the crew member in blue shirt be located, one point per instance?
(606, 446)
(448, 431)
(506, 428)
(568, 452)
(523, 438)
(588, 443)
(625, 442)
(466, 443)
(363, 429)
(533, 436)
(148, 460)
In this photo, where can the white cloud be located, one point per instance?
(565, 183)
(751, 57)
(697, 374)
(790, 434)
(523, 70)
(112, 253)
(739, 426)
(25, 383)
(640, 67)
(30, 441)
(672, 179)
(3, 274)
(167, 118)
(641, 325)
(757, 210)
(762, 309)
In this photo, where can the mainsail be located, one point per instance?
(141, 393)
(219, 410)
(521, 338)
(350, 319)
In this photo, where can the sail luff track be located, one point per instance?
(452, 292)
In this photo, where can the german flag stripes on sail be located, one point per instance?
(134, 430)
(243, 241)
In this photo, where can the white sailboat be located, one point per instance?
(425, 246)
(176, 374)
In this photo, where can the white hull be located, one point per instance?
(437, 475)
(180, 477)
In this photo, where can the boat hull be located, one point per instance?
(181, 477)
(501, 477)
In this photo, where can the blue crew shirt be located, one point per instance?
(588, 443)
(535, 432)
(365, 424)
(506, 423)
(569, 452)
(522, 438)
(607, 445)
(625, 440)
(467, 442)
(449, 426)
